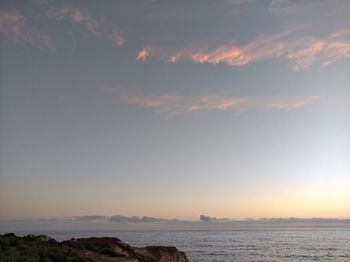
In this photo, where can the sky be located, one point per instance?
(172, 109)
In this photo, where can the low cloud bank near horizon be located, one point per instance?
(107, 224)
(150, 219)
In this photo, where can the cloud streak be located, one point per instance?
(150, 101)
(308, 51)
(99, 28)
(14, 29)
(341, 33)
(302, 53)
(27, 30)
(185, 104)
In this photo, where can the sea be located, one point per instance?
(283, 245)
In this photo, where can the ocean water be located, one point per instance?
(239, 245)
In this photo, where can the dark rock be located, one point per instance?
(43, 248)
(145, 254)
(161, 254)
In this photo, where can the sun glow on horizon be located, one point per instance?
(173, 109)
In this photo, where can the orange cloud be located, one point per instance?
(302, 52)
(231, 55)
(14, 29)
(234, 55)
(142, 55)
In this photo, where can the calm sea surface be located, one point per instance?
(239, 245)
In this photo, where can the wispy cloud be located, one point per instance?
(292, 7)
(301, 52)
(341, 33)
(26, 30)
(214, 102)
(184, 104)
(233, 54)
(100, 28)
(150, 101)
(278, 5)
(290, 103)
(308, 51)
(14, 29)
(143, 55)
(175, 57)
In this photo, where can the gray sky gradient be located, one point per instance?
(174, 108)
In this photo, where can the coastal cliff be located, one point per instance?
(43, 248)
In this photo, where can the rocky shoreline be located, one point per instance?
(44, 248)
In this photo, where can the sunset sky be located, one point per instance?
(172, 109)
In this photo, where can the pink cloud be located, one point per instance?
(150, 101)
(142, 55)
(14, 30)
(194, 108)
(238, 55)
(230, 55)
(341, 33)
(175, 57)
(185, 104)
(310, 50)
(305, 53)
(214, 102)
(172, 59)
(175, 104)
(302, 52)
(227, 103)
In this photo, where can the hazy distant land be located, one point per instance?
(120, 222)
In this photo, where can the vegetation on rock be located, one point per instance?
(42, 248)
